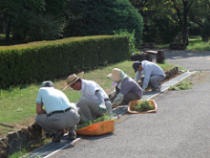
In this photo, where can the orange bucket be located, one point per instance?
(98, 128)
(133, 103)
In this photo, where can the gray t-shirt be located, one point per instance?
(130, 85)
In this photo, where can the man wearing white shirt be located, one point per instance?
(94, 101)
(58, 113)
(153, 74)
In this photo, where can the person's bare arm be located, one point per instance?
(39, 109)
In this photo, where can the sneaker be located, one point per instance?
(57, 137)
(72, 135)
(156, 89)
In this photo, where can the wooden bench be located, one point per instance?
(160, 57)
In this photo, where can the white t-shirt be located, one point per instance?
(53, 99)
(89, 88)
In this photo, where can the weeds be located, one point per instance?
(184, 85)
(103, 118)
(143, 106)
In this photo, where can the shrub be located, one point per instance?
(46, 60)
(160, 31)
(132, 39)
(31, 27)
(205, 32)
(103, 17)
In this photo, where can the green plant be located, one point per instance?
(132, 39)
(195, 43)
(103, 118)
(68, 55)
(184, 85)
(143, 106)
(205, 32)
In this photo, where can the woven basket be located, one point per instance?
(133, 103)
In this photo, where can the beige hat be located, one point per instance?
(115, 75)
(73, 78)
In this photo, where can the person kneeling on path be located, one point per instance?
(94, 101)
(153, 74)
(126, 88)
(58, 114)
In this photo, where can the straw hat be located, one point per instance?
(115, 75)
(73, 78)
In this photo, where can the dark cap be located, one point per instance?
(47, 84)
(136, 65)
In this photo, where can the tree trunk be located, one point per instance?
(1, 26)
(185, 22)
(8, 28)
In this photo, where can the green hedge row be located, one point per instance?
(46, 60)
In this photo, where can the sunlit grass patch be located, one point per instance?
(184, 85)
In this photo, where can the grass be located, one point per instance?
(195, 43)
(103, 118)
(184, 85)
(162, 46)
(18, 106)
(3, 36)
(23, 153)
(143, 106)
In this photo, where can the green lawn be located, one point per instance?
(195, 43)
(18, 105)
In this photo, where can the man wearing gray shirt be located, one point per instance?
(127, 89)
(153, 74)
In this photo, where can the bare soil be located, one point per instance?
(199, 77)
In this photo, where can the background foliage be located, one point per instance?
(103, 17)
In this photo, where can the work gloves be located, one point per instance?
(102, 107)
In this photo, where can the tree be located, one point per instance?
(90, 17)
(10, 10)
(177, 12)
(158, 26)
(31, 20)
(182, 8)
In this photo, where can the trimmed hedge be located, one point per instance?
(46, 60)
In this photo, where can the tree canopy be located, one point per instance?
(104, 17)
(160, 20)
